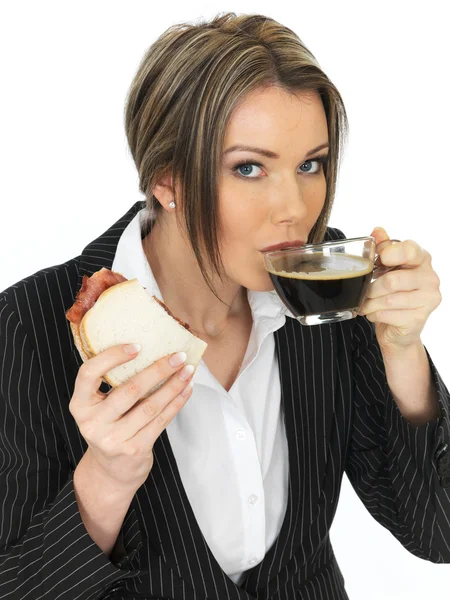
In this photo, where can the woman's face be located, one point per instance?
(264, 201)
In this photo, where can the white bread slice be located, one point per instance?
(126, 313)
(77, 339)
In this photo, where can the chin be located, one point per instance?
(261, 284)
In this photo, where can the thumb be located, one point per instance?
(380, 235)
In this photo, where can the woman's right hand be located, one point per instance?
(120, 430)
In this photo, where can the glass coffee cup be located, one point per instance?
(326, 282)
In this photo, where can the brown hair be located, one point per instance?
(180, 100)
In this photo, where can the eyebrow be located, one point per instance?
(268, 153)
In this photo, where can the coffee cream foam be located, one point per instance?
(335, 266)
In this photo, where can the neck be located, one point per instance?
(183, 288)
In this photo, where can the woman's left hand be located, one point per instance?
(400, 301)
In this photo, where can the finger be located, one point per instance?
(136, 389)
(380, 235)
(147, 435)
(91, 373)
(407, 253)
(398, 318)
(398, 301)
(396, 281)
(151, 408)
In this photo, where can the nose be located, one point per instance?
(289, 206)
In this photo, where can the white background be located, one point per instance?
(67, 174)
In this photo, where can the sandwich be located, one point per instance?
(110, 309)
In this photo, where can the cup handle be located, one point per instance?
(380, 269)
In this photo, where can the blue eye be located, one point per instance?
(249, 173)
(309, 162)
(247, 167)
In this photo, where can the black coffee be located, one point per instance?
(319, 283)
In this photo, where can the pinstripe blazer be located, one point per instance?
(339, 416)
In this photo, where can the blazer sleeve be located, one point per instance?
(45, 550)
(400, 472)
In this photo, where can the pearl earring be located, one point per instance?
(172, 205)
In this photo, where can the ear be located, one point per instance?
(164, 190)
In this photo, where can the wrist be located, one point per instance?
(395, 351)
(411, 383)
(102, 503)
(112, 491)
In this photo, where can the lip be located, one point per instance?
(283, 245)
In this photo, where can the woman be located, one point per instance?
(227, 488)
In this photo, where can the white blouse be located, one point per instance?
(230, 447)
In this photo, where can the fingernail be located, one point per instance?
(186, 372)
(177, 359)
(132, 348)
